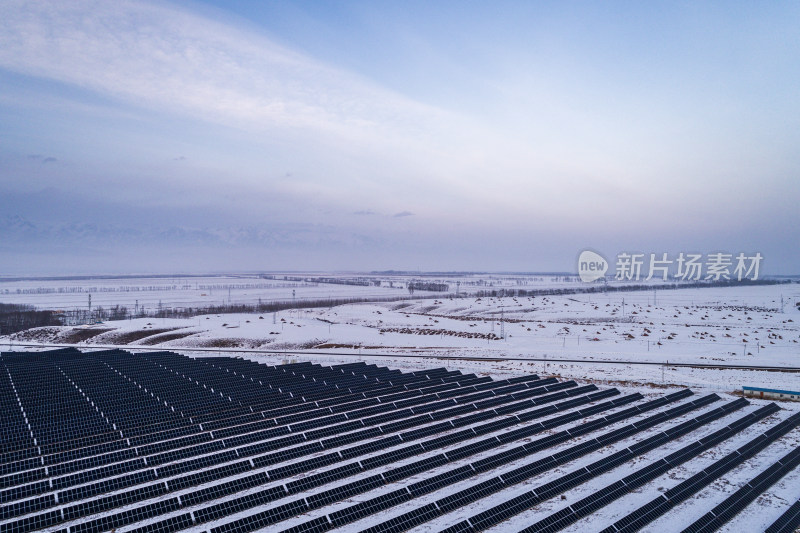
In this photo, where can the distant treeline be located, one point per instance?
(427, 286)
(19, 317)
(265, 307)
(601, 288)
(153, 288)
(357, 282)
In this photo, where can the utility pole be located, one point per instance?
(502, 323)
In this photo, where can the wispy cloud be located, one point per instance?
(402, 214)
(167, 58)
(172, 62)
(42, 158)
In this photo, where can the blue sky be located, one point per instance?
(373, 135)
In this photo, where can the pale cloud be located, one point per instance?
(41, 158)
(357, 142)
(174, 61)
(367, 144)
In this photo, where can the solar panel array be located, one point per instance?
(161, 442)
(788, 522)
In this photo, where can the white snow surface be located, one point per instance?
(740, 325)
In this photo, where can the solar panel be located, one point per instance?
(470, 494)
(18, 465)
(344, 491)
(24, 491)
(788, 522)
(322, 478)
(173, 523)
(416, 467)
(26, 506)
(32, 523)
(263, 519)
(317, 525)
(371, 506)
(737, 501)
(205, 476)
(237, 504)
(127, 517)
(442, 480)
(303, 466)
(227, 488)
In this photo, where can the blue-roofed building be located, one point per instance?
(771, 394)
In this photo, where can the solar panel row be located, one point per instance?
(341, 472)
(173, 441)
(63, 360)
(606, 495)
(788, 522)
(475, 380)
(213, 421)
(332, 495)
(672, 497)
(501, 512)
(519, 474)
(413, 378)
(422, 487)
(737, 501)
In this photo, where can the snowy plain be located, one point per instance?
(740, 325)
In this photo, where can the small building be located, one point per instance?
(770, 394)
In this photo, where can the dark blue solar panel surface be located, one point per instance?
(160, 442)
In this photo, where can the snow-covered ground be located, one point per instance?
(201, 291)
(150, 293)
(745, 325)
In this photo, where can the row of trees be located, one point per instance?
(600, 288)
(19, 317)
(430, 286)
